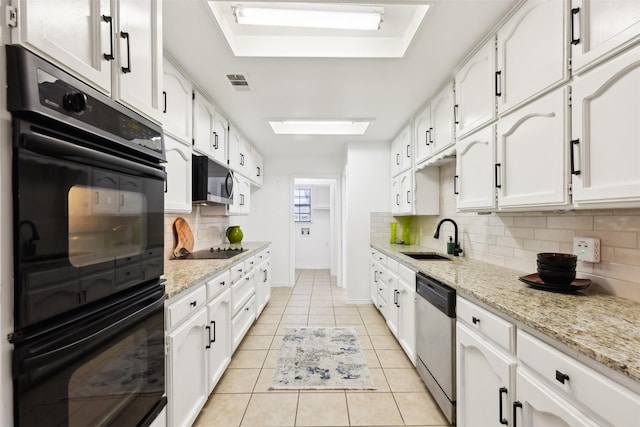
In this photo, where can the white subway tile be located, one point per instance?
(553, 235)
(532, 222)
(541, 246)
(617, 223)
(570, 222)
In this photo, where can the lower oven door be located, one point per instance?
(104, 369)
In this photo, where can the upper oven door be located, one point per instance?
(87, 224)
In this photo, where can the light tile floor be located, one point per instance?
(242, 397)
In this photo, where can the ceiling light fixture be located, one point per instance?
(319, 127)
(335, 17)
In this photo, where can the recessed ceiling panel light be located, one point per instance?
(319, 127)
(336, 17)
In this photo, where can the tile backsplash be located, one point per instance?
(513, 239)
(207, 230)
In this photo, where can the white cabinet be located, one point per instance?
(177, 118)
(601, 28)
(177, 195)
(475, 100)
(139, 70)
(406, 301)
(187, 388)
(242, 321)
(532, 149)
(484, 380)
(209, 130)
(402, 194)
(115, 47)
(77, 36)
(239, 152)
(373, 278)
(423, 134)
(241, 196)
(218, 349)
(532, 52)
(474, 182)
(393, 309)
(263, 284)
(257, 171)
(442, 120)
(402, 151)
(605, 134)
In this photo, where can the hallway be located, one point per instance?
(242, 397)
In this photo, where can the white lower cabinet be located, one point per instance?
(407, 312)
(186, 370)
(241, 322)
(263, 285)
(485, 380)
(219, 338)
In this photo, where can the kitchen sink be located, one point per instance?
(426, 256)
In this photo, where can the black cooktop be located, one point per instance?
(215, 253)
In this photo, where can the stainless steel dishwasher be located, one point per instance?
(435, 346)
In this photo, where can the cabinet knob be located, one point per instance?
(193, 303)
(475, 320)
(561, 377)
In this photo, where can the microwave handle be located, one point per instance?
(226, 184)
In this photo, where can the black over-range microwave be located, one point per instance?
(212, 182)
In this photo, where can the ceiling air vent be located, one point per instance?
(239, 82)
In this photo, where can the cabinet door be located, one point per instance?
(475, 100)
(239, 150)
(75, 35)
(395, 195)
(531, 60)
(484, 381)
(475, 179)
(177, 118)
(605, 136)
(442, 119)
(600, 29)
(396, 159)
(220, 138)
(139, 70)
(204, 137)
(406, 192)
(393, 307)
(423, 137)
(407, 319)
(177, 195)
(406, 148)
(257, 174)
(219, 338)
(186, 370)
(373, 279)
(263, 286)
(532, 154)
(537, 406)
(241, 196)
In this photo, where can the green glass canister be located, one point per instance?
(394, 231)
(234, 234)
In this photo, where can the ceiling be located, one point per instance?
(388, 91)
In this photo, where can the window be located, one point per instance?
(302, 205)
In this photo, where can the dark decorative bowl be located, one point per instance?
(556, 260)
(557, 277)
(555, 267)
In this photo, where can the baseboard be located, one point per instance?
(359, 301)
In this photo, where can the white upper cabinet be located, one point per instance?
(474, 183)
(177, 119)
(605, 133)
(442, 120)
(241, 196)
(139, 36)
(423, 138)
(257, 162)
(532, 154)
(475, 101)
(601, 28)
(239, 152)
(532, 52)
(209, 130)
(401, 151)
(177, 195)
(77, 36)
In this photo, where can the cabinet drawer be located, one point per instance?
(218, 284)
(236, 271)
(381, 258)
(241, 322)
(181, 309)
(241, 291)
(491, 326)
(407, 275)
(250, 263)
(392, 265)
(592, 390)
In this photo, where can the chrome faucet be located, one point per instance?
(456, 245)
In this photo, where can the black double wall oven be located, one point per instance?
(88, 203)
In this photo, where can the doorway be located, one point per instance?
(315, 225)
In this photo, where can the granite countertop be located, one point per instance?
(182, 274)
(602, 327)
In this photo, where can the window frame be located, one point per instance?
(298, 207)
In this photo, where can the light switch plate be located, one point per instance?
(587, 249)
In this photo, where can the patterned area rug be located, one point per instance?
(321, 358)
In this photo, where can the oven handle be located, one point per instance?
(42, 364)
(45, 144)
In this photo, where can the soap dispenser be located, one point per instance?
(450, 246)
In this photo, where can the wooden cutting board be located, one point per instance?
(184, 238)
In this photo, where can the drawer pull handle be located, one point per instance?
(501, 418)
(560, 377)
(517, 404)
(193, 303)
(222, 283)
(246, 309)
(208, 328)
(475, 320)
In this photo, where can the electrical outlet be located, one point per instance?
(587, 249)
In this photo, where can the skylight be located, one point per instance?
(319, 127)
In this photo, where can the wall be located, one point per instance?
(367, 190)
(207, 230)
(513, 239)
(271, 212)
(312, 250)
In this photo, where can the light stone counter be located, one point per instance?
(182, 274)
(602, 327)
